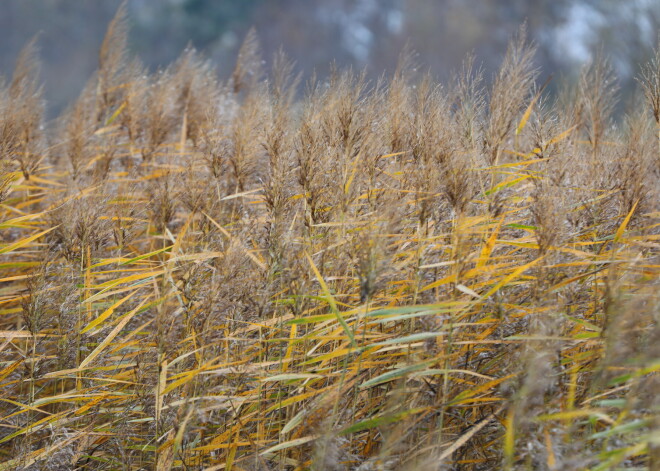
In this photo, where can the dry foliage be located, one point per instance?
(200, 274)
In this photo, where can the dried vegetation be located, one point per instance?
(199, 274)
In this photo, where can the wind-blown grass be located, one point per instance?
(200, 274)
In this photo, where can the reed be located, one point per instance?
(208, 274)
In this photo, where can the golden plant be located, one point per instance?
(199, 274)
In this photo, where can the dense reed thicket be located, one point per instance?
(206, 274)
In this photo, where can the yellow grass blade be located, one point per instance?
(624, 223)
(107, 313)
(111, 335)
(331, 300)
(24, 242)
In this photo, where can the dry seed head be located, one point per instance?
(597, 98)
(248, 70)
(77, 131)
(278, 137)
(6, 179)
(469, 102)
(162, 201)
(192, 195)
(511, 88)
(35, 303)
(214, 146)
(650, 80)
(108, 148)
(547, 215)
(246, 150)
(135, 109)
(21, 123)
(159, 119)
(112, 64)
(24, 81)
(312, 156)
(632, 167)
(285, 82)
(398, 105)
(80, 228)
(198, 92)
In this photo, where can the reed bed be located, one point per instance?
(259, 274)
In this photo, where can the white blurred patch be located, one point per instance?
(575, 36)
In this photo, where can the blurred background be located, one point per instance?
(361, 33)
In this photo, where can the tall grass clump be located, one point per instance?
(247, 274)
